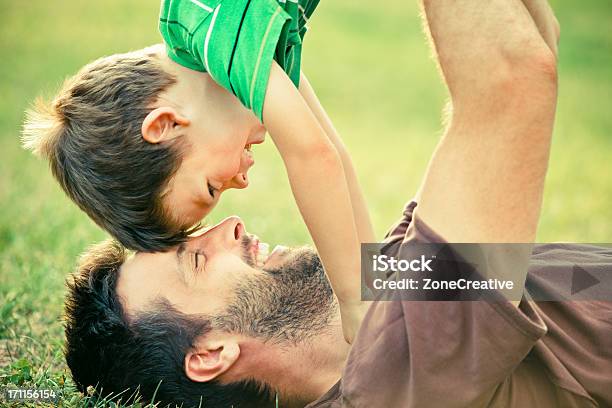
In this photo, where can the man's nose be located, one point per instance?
(231, 230)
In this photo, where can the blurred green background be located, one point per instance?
(372, 70)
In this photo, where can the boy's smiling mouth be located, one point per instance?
(247, 160)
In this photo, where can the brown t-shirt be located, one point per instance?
(480, 354)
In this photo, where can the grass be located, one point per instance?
(373, 73)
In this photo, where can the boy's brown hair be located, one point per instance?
(91, 135)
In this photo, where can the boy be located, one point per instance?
(146, 142)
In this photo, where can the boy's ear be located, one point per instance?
(210, 359)
(158, 126)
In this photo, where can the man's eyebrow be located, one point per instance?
(180, 252)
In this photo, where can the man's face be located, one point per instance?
(227, 275)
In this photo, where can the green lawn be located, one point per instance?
(372, 71)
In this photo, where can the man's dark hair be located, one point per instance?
(145, 353)
(91, 136)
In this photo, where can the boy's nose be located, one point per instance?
(239, 181)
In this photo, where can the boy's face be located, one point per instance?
(217, 154)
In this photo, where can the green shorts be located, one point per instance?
(235, 41)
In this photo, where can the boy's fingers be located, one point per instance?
(546, 22)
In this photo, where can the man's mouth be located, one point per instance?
(255, 250)
(259, 251)
(262, 254)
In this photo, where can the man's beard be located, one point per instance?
(291, 303)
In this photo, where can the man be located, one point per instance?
(218, 322)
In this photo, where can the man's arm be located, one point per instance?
(485, 180)
(321, 192)
(363, 221)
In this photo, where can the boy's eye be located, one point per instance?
(211, 190)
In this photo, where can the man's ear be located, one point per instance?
(210, 359)
(158, 125)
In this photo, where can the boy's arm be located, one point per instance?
(320, 189)
(363, 222)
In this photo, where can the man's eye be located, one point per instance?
(211, 190)
(199, 260)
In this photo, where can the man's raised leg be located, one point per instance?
(485, 181)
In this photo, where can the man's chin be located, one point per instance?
(279, 257)
(291, 301)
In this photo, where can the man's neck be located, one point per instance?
(300, 372)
